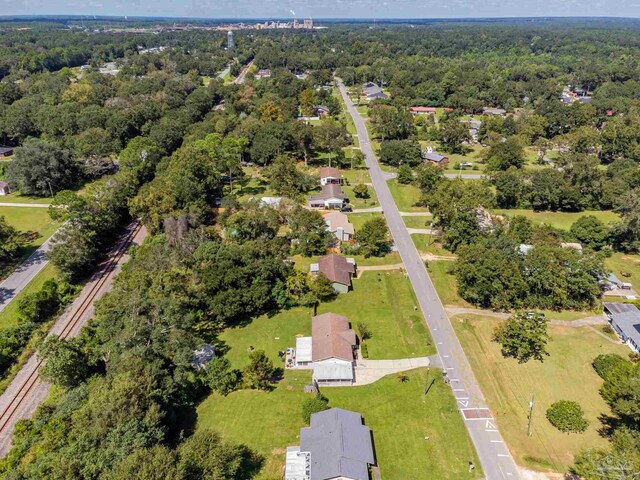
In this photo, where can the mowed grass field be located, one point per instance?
(562, 220)
(17, 198)
(566, 374)
(626, 267)
(405, 196)
(27, 219)
(399, 415)
(384, 302)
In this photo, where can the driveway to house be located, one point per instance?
(22, 275)
(465, 176)
(369, 371)
(25, 205)
(494, 455)
(415, 214)
(366, 210)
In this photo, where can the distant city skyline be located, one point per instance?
(363, 9)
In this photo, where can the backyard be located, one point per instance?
(383, 300)
(399, 415)
(508, 386)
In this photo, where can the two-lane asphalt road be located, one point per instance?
(492, 451)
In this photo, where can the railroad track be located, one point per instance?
(106, 269)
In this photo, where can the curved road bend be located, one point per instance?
(494, 455)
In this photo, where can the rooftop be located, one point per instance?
(329, 191)
(627, 317)
(339, 445)
(335, 220)
(330, 172)
(332, 337)
(336, 268)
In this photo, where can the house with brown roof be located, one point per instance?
(330, 176)
(340, 270)
(338, 225)
(331, 198)
(333, 348)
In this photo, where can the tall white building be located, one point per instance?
(230, 41)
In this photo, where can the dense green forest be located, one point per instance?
(165, 141)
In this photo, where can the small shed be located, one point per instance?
(4, 188)
(6, 152)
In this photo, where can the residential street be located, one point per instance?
(28, 400)
(493, 453)
(22, 275)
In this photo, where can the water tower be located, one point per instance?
(230, 41)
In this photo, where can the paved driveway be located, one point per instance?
(369, 371)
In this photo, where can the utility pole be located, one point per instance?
(530, 414)
(426, 382)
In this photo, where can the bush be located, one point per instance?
(364, 351)
(567, 417)
(603, 364)
(319, 403)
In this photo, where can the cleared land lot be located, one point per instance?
(566, 374)
(562, 220)
(405, 196)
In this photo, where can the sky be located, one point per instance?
(325, 8)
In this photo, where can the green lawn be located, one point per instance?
(8, 316)
(359, 219)
(370, 202)
(265, 421)
(417, 222)
(565, 375)
(445, 283)
(626, 268)
(399, 415)
(560, 220)
(405, 196)
(385, 303)
(426, 243)
(17, 198)
(34, 222)
(357, 175)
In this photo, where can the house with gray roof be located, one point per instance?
(336, 446)
(373, 91)
(625, 320)
(435, 158)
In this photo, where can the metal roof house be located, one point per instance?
(435, 158)
(625, 320)
(373, 91)
(339, 446)
(6, 152)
